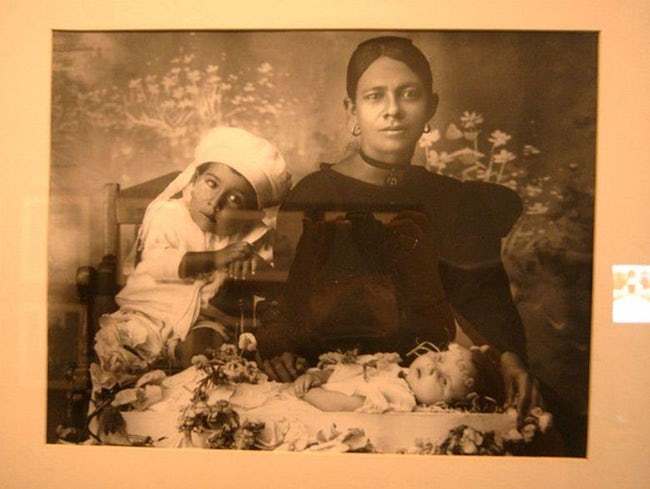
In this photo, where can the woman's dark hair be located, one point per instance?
(397, 48)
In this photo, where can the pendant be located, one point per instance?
(392, 179)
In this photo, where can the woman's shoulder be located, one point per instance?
(483, 203)
(312, 189)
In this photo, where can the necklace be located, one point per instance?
(395, 170)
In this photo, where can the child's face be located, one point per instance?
(445, 376)
(217, 192)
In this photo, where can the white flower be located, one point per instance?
(453, 132)
(194, 76)
(471, 120)
(265, 68)
(188, 58)
(249, 87)
(247, 342)
(467, 156)
(137, 83)
(499, 138)
(530, 150)
(537, 209)
(212, 69)
(168, 82)
(532, 190)
(504, 156)
(429, 138)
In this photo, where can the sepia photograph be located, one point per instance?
(322, 240)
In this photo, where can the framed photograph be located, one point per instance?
(495, 155)
(284, 240)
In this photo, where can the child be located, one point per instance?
(376, 383)
(193, 236)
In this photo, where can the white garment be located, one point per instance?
(155, 288)
(382, 387)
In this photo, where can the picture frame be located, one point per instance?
(617, 419)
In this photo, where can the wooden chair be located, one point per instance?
(123, 211)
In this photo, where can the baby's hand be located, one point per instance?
(305, 382)
(232, 253)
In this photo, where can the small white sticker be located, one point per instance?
(631, 294)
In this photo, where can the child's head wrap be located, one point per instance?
(256, 159)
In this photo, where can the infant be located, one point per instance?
(376, 383)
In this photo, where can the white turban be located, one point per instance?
(256, 159)
(253, 157)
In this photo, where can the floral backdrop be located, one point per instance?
(517, 109)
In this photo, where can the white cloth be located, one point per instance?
(382, 387)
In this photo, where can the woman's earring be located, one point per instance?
(427, 128)
(356, 130)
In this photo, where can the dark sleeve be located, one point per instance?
(196, 263)
(488, 209)
(479, 288)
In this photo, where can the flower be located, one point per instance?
(467, 156)
(537, 208)
(247, 342)
(499, 138)
(194, 76)
(471, 120)
(212, 69)
(136, 83)
(178, 93)
(264, 68)
(168, 82)
(503, 156)
(228, 350)
(199, 361)
(453, 132)
(530, 150)
(532, 190)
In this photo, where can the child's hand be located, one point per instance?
(232, 253)
(241, 269)
(305, 382)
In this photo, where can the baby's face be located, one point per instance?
(445, 376)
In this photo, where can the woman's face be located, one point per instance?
(445, 376)
(391, 109)
(217, 194)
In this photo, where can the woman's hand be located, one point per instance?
(521, 389)
(283, 368)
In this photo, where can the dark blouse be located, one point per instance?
(469, 219)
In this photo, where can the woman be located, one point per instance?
(441, 225)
